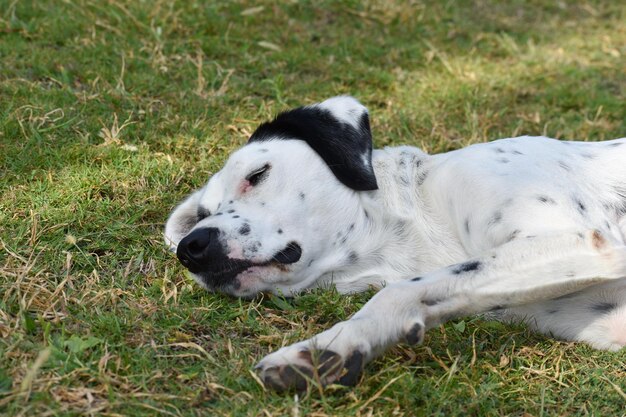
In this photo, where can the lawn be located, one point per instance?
(112, 111)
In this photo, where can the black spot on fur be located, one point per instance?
(552, 311)
(353, 257)
(263, 150)
(546, 199)
(302, 195)
(580, 206)
(565, 166)
(513, 235)
(499, 150)
(203, 213)
(341, 145)
(587, 155)
(430, 302)
(467, 226)
(613, 145)
(496, 218)
(421, 176)
(503, 160)
(604, 307)
(517, 153)
(244, 229)
(415, 334)
(230, 211)
(280, 231)
(466, 267)
(416, 279)
(219, 214)
(235, 216)
(230, 202)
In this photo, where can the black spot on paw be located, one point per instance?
(415, 335)
(295, 377)
(353, 367)
(328, 363)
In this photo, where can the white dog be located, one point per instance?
(529, 229)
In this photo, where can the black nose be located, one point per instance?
(200, 248)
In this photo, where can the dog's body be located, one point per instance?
(529, 229)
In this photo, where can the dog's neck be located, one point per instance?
(400, 235)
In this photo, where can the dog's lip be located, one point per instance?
(233, 267)
(289, 255)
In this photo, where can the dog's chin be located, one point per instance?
(245, 284)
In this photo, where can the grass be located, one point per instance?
(111, 112)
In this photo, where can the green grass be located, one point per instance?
(111, 112)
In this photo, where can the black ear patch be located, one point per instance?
(345, 147)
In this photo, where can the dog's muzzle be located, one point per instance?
(202, 253)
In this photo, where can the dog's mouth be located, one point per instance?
(225, 271)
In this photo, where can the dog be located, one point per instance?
(526, 229)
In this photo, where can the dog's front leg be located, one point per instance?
(521, 271)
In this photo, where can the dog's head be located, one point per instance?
(274, 217)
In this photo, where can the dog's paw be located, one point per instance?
(337, 355)
(298, 367)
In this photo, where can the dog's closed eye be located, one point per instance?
(258, 175)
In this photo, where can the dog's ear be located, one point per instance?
(182, 219)
(338, 129)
